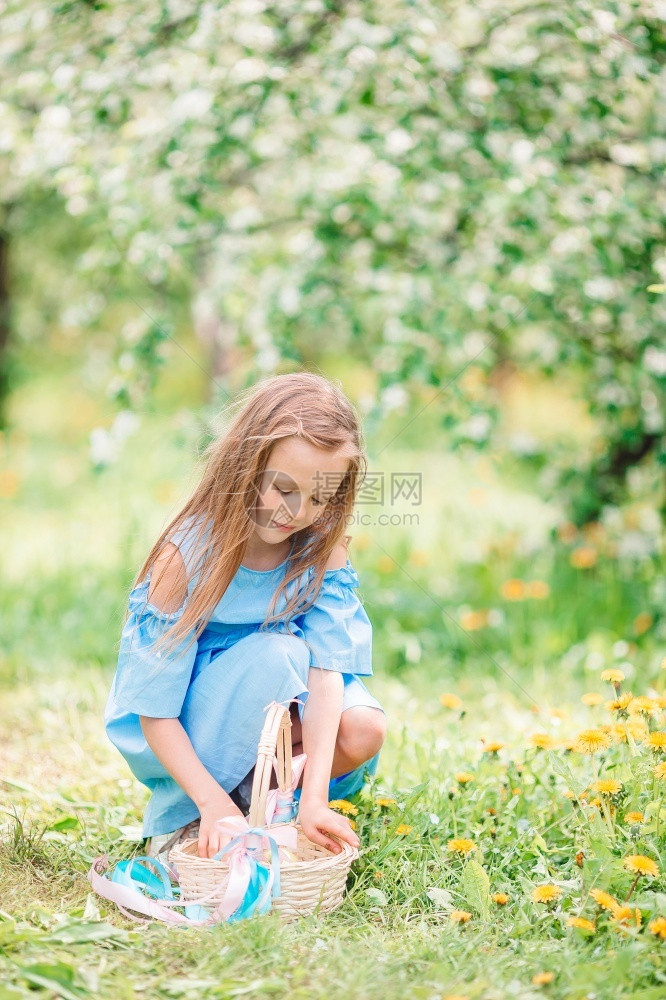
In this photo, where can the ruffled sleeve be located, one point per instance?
(336, 627)
(149, 682)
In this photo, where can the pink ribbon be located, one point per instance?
(248, 839)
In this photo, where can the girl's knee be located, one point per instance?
(361, 733)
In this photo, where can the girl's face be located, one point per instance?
(298, 482)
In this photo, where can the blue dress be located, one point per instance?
(220, 686)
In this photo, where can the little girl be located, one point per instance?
(248, 597)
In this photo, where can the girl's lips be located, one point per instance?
(282, 527)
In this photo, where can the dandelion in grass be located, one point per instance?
(500, 898)
(377, 876)
(404, 829)
(579, 858)
(547, 893)
(513, 590)
(538, 590)
(613, 676)
(592, 698)
(341, 805)
(352, 824)
(633, 817)
(493, 747)
(582, 923)
(608, 786)
(621, 703)
(460, 845)
(541, 741)
(656, 741)
(584, 557)
(385, 803)
(643, 705)
(450, 701)
(625, 915)
(592, 741)
(658, 927)
(641, 865)
(460, 916)
(543, 978)
(463, 777)
(605, 900)
(659, 771)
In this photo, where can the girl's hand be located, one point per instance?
(210, 839)
(317, 821)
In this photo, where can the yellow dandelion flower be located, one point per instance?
(377, 876)
(592, 698)
(583, 557)
(660, 699)
(619, 732)
(341, 805)
(625, 913)
(500, 898)
(592, 741)
(403, 829)
(605, 900)
(538, 590)
(568, 794)
(659, 771)
(384, 803)
(640, 865)
(513, 590)
(581, 923)
(608, 786)
(656, 741)
(633, 817)
(460, 845)
(463, 777)
(460, 916)
(385, 564)
(613, 676)
(580, 858)
(642, 622)
(493, 747)
(455, 996)
(471, 621)
(352, 823)
(543, 978)
(546, 893)
(642, 704)
(541, 741)
(620, 703)
(450, 701)
(658, 927)
(417, 557)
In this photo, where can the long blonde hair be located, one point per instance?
(301, 404)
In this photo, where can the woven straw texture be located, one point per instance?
(314, 882)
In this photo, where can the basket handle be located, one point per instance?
(275, 739)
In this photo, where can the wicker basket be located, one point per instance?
(314, 882)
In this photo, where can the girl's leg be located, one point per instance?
(360, 737)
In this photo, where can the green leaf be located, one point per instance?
(377, 896)
(79, 931)
(66, 823)
(57, 977)
(577, 786)
(476, 887)
(440, 897)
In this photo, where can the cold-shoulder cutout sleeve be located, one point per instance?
(150, 682)
(337, 627)
(192, 547)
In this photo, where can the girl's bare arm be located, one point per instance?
(167, 737)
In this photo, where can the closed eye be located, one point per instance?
(285, 493)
